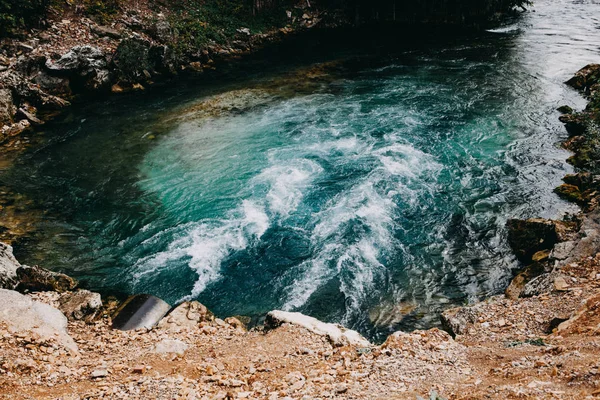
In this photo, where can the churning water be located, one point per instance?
(369, 186)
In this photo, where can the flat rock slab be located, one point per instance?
(140, 311)
(21, 314)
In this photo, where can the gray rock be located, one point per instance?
(80, 304)
(87, 64)
(169, 346)
(539, 285)
(562, 250)
(8, 267)
(79, 59)
(105, 31)
(456, 320)
(162, 31)
(140, 311)
(99, 373)
(131, 59)
(21, 314)
(25, 90)
(7, 108)
(56, 85)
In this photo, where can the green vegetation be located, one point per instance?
(197, 22)
(102, 11)
(16, 15)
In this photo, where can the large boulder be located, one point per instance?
(170, 346)
(21, 314)
(336, 334)
(87, 65)
(78, 59)
(37, 279)
(527, 237)
(8, 267)
(7, 107)
(139, 311)
(55, 85)
(132, 60)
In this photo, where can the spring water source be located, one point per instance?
(365, 183)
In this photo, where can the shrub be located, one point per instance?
(16, 15)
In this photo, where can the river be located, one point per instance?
(366, 183)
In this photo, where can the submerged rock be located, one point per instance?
(140, 311)
(37, 279)
(336, 334)
(21, 314)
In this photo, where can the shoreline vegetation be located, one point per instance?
(538, 340)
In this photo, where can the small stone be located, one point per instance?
(560, 284)
(140, 369)
(99, 373)
(341, 388)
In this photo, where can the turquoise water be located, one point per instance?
(367, 184)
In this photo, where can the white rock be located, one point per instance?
(8, 267)
(167, 346)
(22, 314)
(338, 335)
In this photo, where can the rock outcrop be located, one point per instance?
(21, 314)
(36, 279)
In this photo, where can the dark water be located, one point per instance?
(368, 184)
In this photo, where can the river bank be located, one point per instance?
(77, 57)
(540, 340)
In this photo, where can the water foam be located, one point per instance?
(204, 245)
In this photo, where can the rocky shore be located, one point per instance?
(44, 71)
(539, 340)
